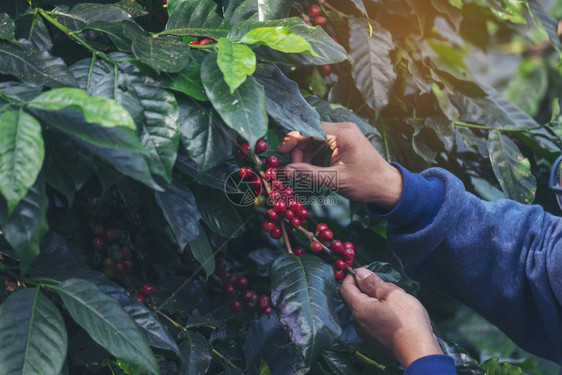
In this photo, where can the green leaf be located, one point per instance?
(220, 215)
(202, 252)
(339, 364)
(286, 105)
(85, 13)
(372, 68)
(30, 65)
(188, 82)
(103, 111)
(256, 10)
(303, 288)
(106, 322)
(332, 112)
(236, 62)
(511, 168)
(197, 18)
(196, 354)
(464, 363)
(328, 51)
(7, 27)
(316, 83)
(21, 155)
(160, 127)
(203, 133)
(32, 333)
(529, 85)
(359, 5)
(27, 224)
(180, 210)
(279, 38)
(162, 53)
(493, 367)
(548, 24)
(244, 110)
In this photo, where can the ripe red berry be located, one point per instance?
(241, 283)
(348, 254)
(98, 230)
(127, 265)
(275, 233)
(349, 262)
(139, 297)
(230, 279)
(270, 174)
(293, 204)
(220, 265)
(267, 225)
(272, 161)
(245, 172)
(267, 310)
(272, 215)
(274, 196)
(246, 295)
(98, 244)
(235, 305)
(337, 246)
(289, 214)
(348, 245)
(302, 213)
(194, 43)
(314, 10)
(277, 185)
(146, 289)
(239, 154)
(288, 192)
(341, 264)
(255, 183)
(261, 146)
(280, 206)
(120, 267)
(316, 246)
(295, 222)
(228, 290)
(298, 251)
(338, 274)
(326, 235)
(320, 227)
(325, 70)
(263, 302)
(246, 148)
(206, 41)
(320, 20)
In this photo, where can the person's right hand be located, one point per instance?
(362, 173)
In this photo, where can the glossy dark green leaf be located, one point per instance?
(156, 333)
(96, 110)
(372, 68)
(21, 154)
(33, 335)
(188, 82)
(493, 367)
(204, 134)
(202, 252)
(106, 322)
(196, 17)
(114, 31)
(85, 13)
(328, 51)
(236, 62)
(162, 53)
(339, 363)
(27, 224)
(464, 363)
(180, 210)
(160, 133)
(511, 168)
(220, 215)
(7, 27)
(332, 112)
(279, 38)
(264, 335)
(244, 110)
(241, 10)
(196, 354)
(549, 24)
(529, 86)
(302, 291)
(214, 177)
(33, 66)
(286, 105)
(35, 30)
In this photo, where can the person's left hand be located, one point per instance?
(388, 317)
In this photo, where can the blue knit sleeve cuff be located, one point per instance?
(435, 364)
(419, 203)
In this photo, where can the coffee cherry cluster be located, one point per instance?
(145, 290)
(344, 252)
(201, 42)
(236, 288)
(117, 257)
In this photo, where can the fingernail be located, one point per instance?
(362, 273)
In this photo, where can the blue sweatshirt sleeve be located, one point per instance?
(436, 364)
(502, 258)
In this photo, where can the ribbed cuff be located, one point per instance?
(434, 364)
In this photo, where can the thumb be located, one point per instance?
(372, 285)
(309, 173)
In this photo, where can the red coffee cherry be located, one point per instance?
(272, 215)
(276, 233)
(338, 274)
(298, 251)
(320, 227)
(120, 267)
(267, 225)
(228, 290)
(246, 295)
(139, 297)
(277, 185)
(337, 246)
(302, 213)
(295, 222)
(288, 192)
(320, 20)
(230, 279)
(270, 174)
(348, 245)
(245, 172)
(194, 43)
(127, 265)
(316, 246)
(325, 235)
(206, 41)
(246, 148)
(293, 204)
(235, 305)
(314, 10)
(280, 206)
(267, 310)
(341, 264)
(255, 183)
(289, 214)
(325, 70)
(241, 283)
(274, 196)
(261, 146)
(348, 254)
(272, 161)
(239, 154)
(98, 244)
(221, 265)
(146, 289)
(263, 302)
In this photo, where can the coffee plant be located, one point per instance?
(147, 224)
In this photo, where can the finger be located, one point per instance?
(372, 285)
(291, 140)
(351, 293)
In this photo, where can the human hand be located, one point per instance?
(388, 317)
(362, 173)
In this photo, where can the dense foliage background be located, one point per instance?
(118, 123)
